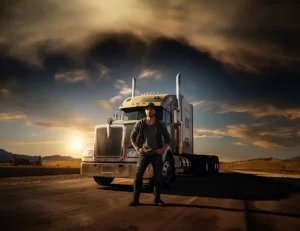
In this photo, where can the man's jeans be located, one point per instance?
(142, 164)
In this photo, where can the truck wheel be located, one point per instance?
(168, 172)
(103, 180)
(207, 166)
(216, 165)
(199, 165)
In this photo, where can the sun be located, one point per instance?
(76, 143)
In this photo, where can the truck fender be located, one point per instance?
(164, 155)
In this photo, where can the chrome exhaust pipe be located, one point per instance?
(178, 90)
(133, 86)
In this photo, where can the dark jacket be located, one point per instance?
(137, 133)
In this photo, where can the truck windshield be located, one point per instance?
(138, 113)
(133, 113)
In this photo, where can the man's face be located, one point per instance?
(150, 112)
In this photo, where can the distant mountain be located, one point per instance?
(6, 156)
(297, 158)
(57, 157)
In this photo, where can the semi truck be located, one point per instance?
(113, 156)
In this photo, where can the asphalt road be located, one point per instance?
(229, 201)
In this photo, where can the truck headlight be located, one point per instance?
(88, 153)
(132, 153)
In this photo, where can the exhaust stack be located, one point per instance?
(178, 90)
(133, 86)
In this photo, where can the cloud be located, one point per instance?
(228, 31)
(268, 133)
(258, 108)
(275, 124)
(32, 142)
(5, 92)
(148, 73)
(239, 143)
(124, 91)
(44, 112)
(39, 110)
(7, 116)
(67, 124)
(208, 133)
(104, 104)
(89, 76)
(9, 86)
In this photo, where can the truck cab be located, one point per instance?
(113, 155)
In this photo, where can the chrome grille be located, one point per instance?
(109, 146)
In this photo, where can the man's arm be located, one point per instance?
(133, 136)
(166, 135)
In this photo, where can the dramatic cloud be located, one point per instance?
(208, 133)
(275, 124)
(67, 124)
(243, 34)
(270, 133)
(124, 91)
(239, 143)
(257, 108)
(5, 92)
(44, 112)
(89, 76)
(6, 116)
(148, 73)
(9, 86)
(106, 104)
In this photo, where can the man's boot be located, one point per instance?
(135, 201)
(158, 201)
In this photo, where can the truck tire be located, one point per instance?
(212, 165)
(207, 165)
(200, 165)
(218, 165)
(168, 172)
(105, 181)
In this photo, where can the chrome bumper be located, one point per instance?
(116, 170)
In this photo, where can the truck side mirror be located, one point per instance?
(115, 116)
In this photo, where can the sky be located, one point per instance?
(66, 66)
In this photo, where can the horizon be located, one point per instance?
(263, 158)
(58, 79)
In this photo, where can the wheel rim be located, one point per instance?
(167, 172)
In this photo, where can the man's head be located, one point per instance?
(150, 110)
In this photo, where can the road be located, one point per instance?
(229, 201)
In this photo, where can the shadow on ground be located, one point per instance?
(225, 185)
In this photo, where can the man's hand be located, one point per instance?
(160, 151)
(139, 151)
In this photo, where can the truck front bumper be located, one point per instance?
(116, 170)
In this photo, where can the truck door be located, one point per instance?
(187, 127)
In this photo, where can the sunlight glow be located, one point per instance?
(76, 143)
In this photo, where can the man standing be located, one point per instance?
(146, 138)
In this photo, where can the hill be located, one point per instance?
(7, 156)
(58, 157)
(296, 158)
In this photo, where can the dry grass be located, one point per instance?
(268, 165)
(49, 164)
(61, 163)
